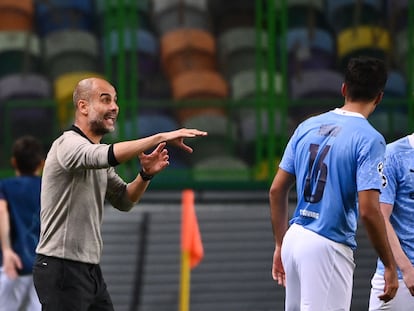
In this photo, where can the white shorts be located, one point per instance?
(319, 272)
(18, 294)
(403, 301)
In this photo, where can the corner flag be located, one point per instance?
(192, 251)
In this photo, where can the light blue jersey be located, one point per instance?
(333, 156)
(399, 192)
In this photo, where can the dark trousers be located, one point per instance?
(66, 285)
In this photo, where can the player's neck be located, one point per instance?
(364, 108)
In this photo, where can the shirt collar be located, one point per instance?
(347, 113)
(79, 131)
(411, 140)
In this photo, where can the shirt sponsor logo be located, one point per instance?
(310, 214)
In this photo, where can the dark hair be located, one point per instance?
(28, 154)
(365, 78)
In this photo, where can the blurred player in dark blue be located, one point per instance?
(20, 226)
(336, 160)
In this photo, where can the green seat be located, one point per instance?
(174, 14)
(243, 84)
(221, 168)
(237, 50)
(209, 146)
(64, 54)
(19, 52)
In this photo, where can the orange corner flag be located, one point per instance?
(190, 233)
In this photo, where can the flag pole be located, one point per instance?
(185, 281)
(185, 273)
(192, 250)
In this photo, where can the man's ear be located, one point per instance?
(343, 89)
(83, 106)
(379, 98)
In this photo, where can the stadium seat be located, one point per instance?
(142, 43)
(19, 52)
(237, 50)
(64, 54)
(198, 85)
(243, 84)
(316, 84)
(135, 51)
(227, 15)
(187, 49)
(221, 139)
(19, 110)
(363, 40)
(313, 86)
(27, 117)
(396, 85)
(26, 108)
(306, 14)
(310, 59)
(310, 49)
(306, 37)
(215, 125)
(343, 14)
(173, 14)
(152, 122)
(246, 108)
(16, 15)
(53, 15)
(221, 168)
(25, 86)
(155, 86)
(391, 121)
(397, 14)
(254, 126)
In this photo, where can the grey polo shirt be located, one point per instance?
(77, 179)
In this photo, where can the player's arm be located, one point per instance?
(4, 226)
(126, 150)
(403, 262)
(11, 261)
(372, 218)
(279, 201)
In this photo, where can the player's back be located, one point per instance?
(336, 154)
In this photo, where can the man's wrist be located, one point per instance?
(145, 176)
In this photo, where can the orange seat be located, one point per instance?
(187, 49)
(185, 113)
(199, 85)
(16, 15)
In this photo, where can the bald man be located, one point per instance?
(78, 177)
